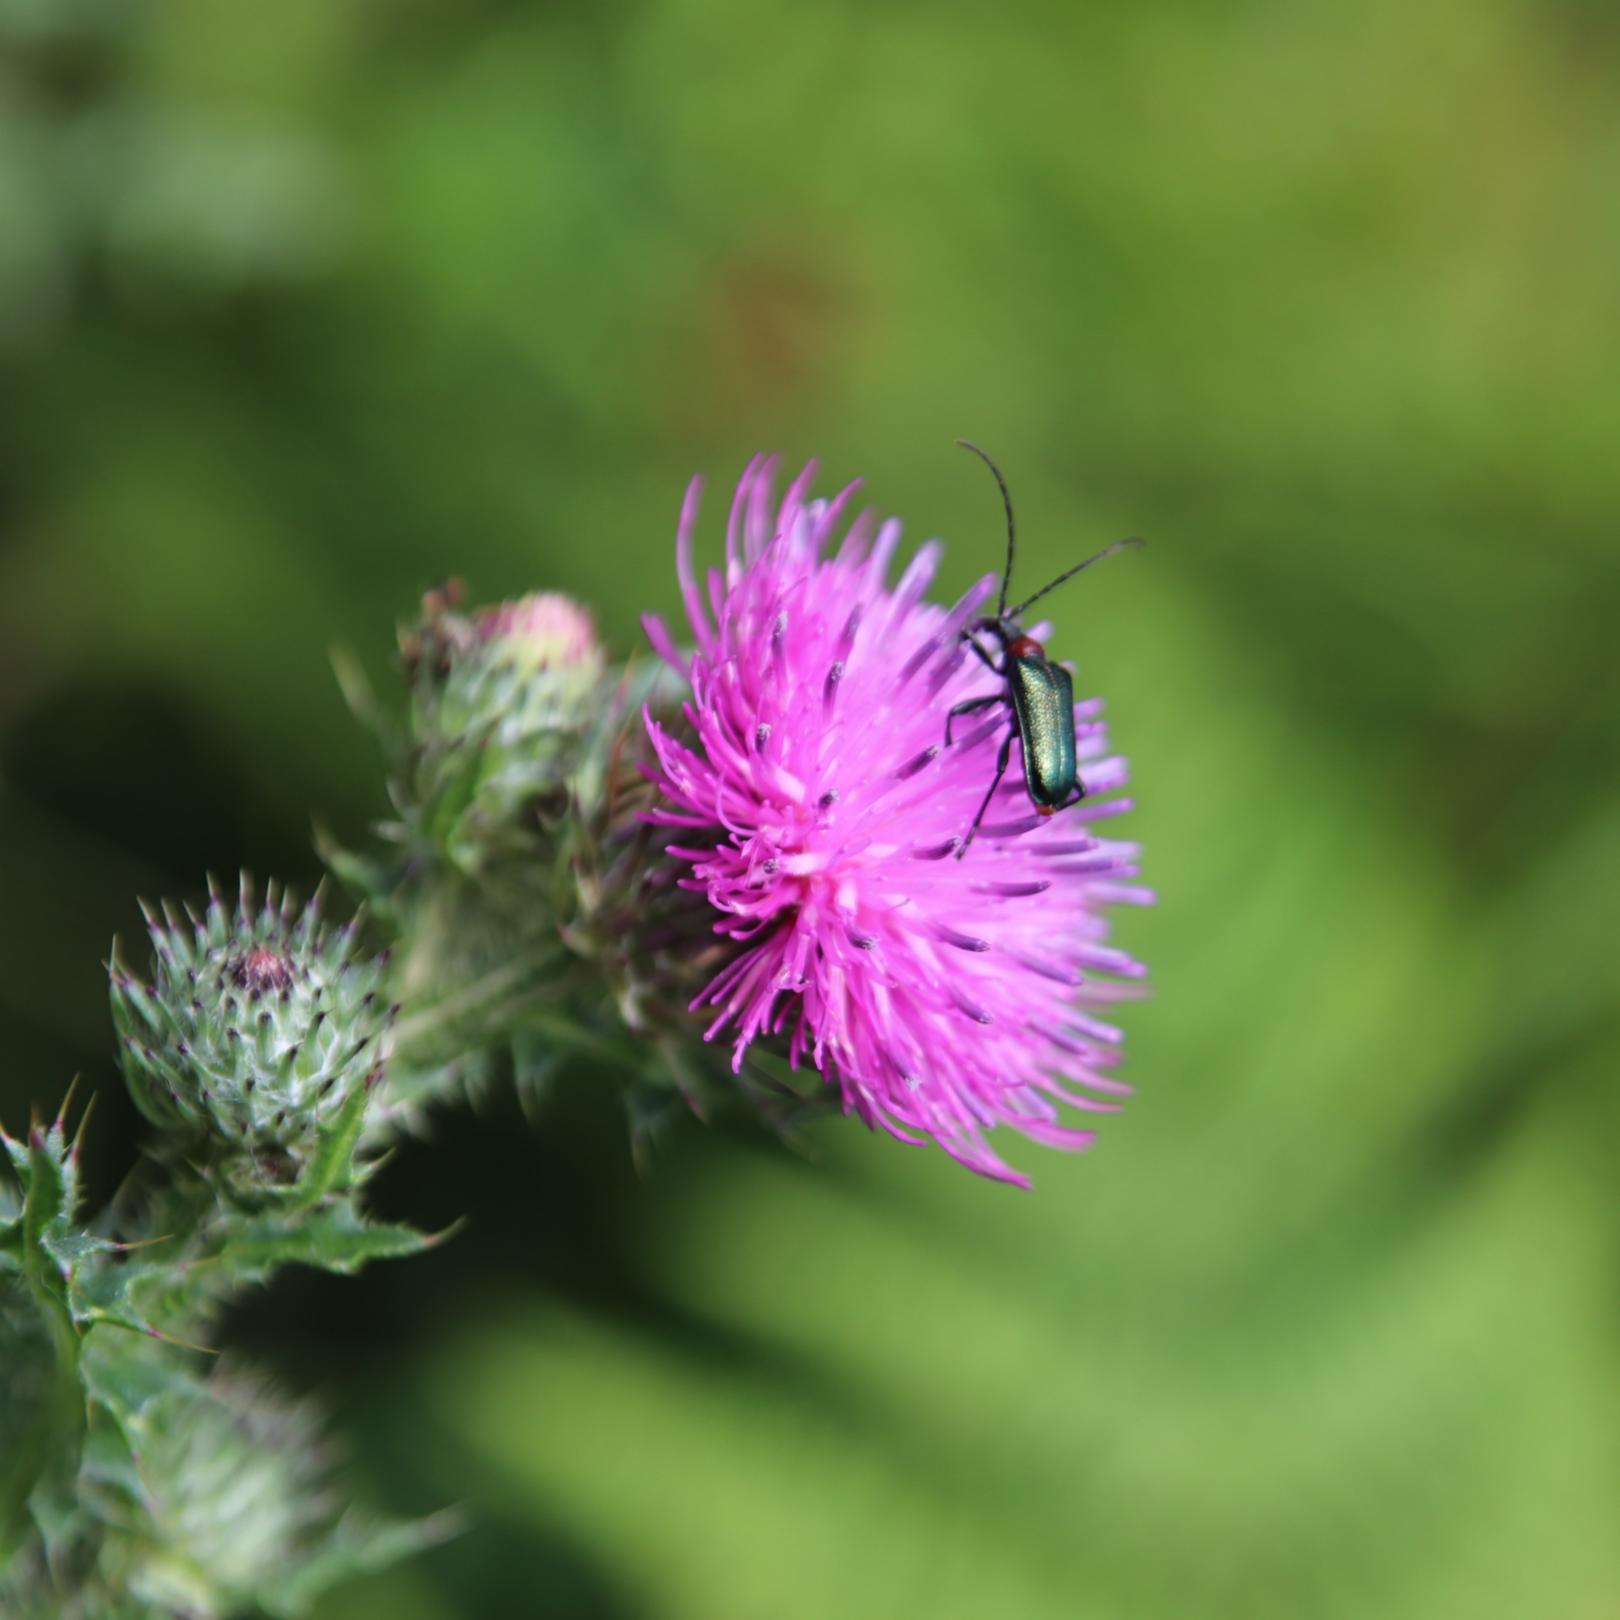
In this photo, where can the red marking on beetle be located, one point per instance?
(1025, 647)
(1046, 809)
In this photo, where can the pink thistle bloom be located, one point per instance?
(819, 810)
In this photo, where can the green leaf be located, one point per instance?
(331, 1164)
(41, 1405)
(374, 878)
(333, 1237)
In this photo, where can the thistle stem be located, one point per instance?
(475, 996)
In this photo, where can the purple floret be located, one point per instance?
(818, 809)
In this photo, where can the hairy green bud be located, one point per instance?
(261, 1034)
(210, 1497)
(501, 700)
(536, 921)
(242, 1514)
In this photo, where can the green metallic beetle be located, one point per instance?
(1040, 692)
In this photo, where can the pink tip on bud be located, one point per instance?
(546, 629)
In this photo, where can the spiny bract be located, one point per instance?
(501, 701)
(260, 1027)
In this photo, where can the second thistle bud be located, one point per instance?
(261, 1033)
(500, 700)
(534, 919)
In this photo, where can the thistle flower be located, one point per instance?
(262, 1029)
(817, 810)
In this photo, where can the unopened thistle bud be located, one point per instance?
(500, 701)
(261, 1031)
(534, 919)
(237, 1511)
(542, 631)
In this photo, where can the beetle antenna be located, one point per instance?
(1006, 500)
(1107, 551)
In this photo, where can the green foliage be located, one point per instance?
(131, 1484)
(235, 1508)
(197, 1495)
(334, 1237)
(47, 1303)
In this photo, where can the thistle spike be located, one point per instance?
(66, 1104)
(236, 1042)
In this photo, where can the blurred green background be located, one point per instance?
(304, 306)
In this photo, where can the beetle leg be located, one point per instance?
(972, 706)
(1079, 794)
(1001, 771)
(984, 657)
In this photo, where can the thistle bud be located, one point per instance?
(542, 631)
(533, 916)
(261, 1032)
(500, 702)
(237, 1513)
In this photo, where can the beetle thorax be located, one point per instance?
(1022, 646)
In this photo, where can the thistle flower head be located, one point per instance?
(261, 1029)
(817, 810)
